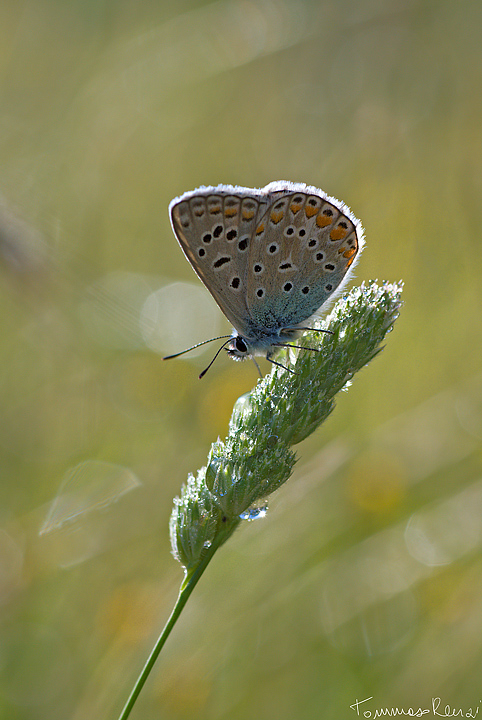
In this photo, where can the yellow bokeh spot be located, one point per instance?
(218, 397)
(450, 595)
(376, 482)
(129, 612)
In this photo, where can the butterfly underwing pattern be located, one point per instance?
(270, 258)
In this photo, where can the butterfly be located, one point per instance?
(270, 258)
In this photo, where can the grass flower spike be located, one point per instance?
(285, 407)
(256, 457)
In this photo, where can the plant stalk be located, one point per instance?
(188, 585)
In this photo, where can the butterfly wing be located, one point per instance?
(214, 227)
(301, 252)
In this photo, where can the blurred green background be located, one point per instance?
(365, 579)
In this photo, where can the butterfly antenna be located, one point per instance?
(214, 358)
(204, 342)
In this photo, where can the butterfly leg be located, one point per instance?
(270, 359)
(257, 367)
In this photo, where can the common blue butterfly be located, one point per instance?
(270, 258)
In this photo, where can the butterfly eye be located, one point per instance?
(240, 344)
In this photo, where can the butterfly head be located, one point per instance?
(238, 348)
(263, 343)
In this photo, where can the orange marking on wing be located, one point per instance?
(350, 261)
(295, 207)
(276, 216)
(215, 209)
(349, 253)
(323, 220)
(310, 210)
(248, 214)
(338, 233)
(260, 229)
(230, 212)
